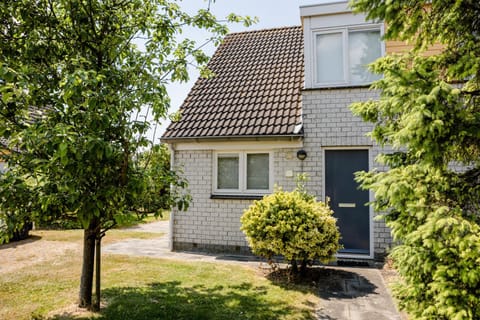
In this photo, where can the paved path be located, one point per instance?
(159, 247)
(347, 293)
(355, 294)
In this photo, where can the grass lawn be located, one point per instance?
(148, 288)
(76, 235)
(165, 216)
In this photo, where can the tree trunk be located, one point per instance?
(303, 268)
(98, 258)
(86, 280)
(294, 266)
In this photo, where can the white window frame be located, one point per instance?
(242, 169)
(346, 67)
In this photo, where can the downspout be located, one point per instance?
(170, 225)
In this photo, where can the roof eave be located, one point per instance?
(232, 138)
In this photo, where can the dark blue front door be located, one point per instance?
(347, 200)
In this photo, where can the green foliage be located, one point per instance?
(15, 213)
(428, 112)
(292, 225)
(163, 186)
(71, 77)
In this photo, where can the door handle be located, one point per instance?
(346, 205)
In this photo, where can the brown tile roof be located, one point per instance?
(256, 90)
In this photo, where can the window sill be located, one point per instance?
(237, 196)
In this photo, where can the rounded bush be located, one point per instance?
(293, 225)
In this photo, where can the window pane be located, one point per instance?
(364, 48)
(257, 171)
(330, 58)
(227, 172)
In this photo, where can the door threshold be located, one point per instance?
(347, 256)
(354, 261)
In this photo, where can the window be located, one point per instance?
(227, 174)
(243, 172)
(258, 171)
(342, 56)
(330, 58)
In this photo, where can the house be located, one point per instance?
(279, 106)
(33, 115)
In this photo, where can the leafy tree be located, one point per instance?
(77, 62)
(160, 178)
(293, 225)
(428, 112)
(16, 207)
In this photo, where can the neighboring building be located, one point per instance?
(277, 92)
(34, 114)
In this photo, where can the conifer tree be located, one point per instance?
(429, 112)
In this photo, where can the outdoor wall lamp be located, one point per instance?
(301, 154)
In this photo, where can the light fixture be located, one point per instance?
(301, 154)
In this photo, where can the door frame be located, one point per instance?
(370, 198)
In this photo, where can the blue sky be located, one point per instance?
(271, 14)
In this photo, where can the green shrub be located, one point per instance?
(59, 224)
(15, 219)
(14, 227)
(293, 225)
(434, 216)
(440, 266)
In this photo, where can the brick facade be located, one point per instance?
(270, 105)
(214, 224)
(329, 123)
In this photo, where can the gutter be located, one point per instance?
(230, 138)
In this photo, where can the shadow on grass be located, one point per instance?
(328, 283)
(19, 243)
(172, 300)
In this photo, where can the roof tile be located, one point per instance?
(256, 89)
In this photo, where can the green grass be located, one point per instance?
(74, 235)
(173, 290)
(165, 216)
(128, 221)
(145, 288)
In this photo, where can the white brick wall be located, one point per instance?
(328, 122)
(214, 224)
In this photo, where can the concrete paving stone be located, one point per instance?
(355, 294)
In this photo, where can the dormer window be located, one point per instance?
(341, 55)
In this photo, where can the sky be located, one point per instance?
(270, 14)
